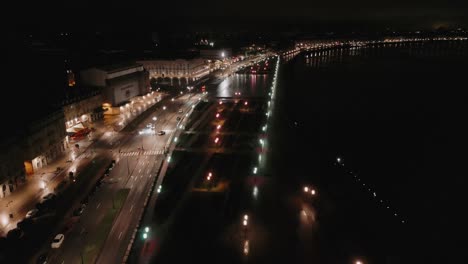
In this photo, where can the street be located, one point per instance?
(137, 165)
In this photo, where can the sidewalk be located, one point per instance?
(26, 195)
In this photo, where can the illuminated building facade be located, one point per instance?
(190, 70)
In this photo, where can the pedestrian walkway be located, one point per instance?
(14, 205)
(24, 195)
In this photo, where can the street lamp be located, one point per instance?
(145, 234)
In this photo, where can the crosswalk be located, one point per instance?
(144, 153)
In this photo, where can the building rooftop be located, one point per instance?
(119, 67)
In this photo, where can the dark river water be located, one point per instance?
(395, 115)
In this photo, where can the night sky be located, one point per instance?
(258, 14)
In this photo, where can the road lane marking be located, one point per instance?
(120, 234)
(131, 208)
(99, 204)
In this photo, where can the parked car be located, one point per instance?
(79, 211)
(31, 213)
(25, 225)
(48, 197)
(15, 234)
(85, 201)
(42, 258)
(162, 132)
(178, 118)
(58, 240)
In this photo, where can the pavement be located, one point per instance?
(14, 205)
(42, 182)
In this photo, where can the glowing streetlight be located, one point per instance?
(42, 184)
(216, 140)
(4, 220)
(246, 247)
(306, 189)
(255, 191)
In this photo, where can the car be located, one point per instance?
(31, 213)
(58, 240)
(84, 201)
(98, 184)
(79, 211)
(178, 118)
(25, 225)
(42, 259)
(48, 197)
(161, 133)
(15, 234)
(180, 111)
(110, 180)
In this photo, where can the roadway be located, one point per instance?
(137, 165)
